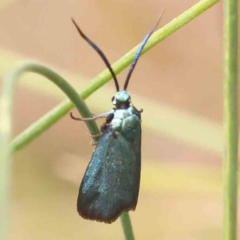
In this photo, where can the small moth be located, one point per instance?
(111, 182)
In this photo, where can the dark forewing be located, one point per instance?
(111, 182)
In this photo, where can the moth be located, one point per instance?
(111, 182)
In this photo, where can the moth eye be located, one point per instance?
(113, 98)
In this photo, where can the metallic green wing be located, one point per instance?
(111, 183)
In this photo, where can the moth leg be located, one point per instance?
(74, 118)
(105, 125)
(95, 135)
(93, 143)
(138, 112)
(103, 115)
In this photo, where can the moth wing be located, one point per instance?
(111, 182)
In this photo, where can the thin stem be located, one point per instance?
(77, 101)
(28, 135)
(230, 118)
(6, 105)
(57, 113)
(5, 171)
(127, 226)
(6, 127)
(62, 109)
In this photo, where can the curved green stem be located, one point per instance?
(6, 126)
(60, 82)
(36, 129)
(62, 109)
(6, 105)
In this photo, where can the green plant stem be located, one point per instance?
(127, 227)
(5, 171)
(36, 129)
(230, 118)
(58, 112)
(77, 101)
(63, 108)
(6, 103)
(6, 126)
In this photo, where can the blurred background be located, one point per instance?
(178, 84)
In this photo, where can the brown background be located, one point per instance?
(181, 189)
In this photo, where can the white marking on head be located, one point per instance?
(121, 96)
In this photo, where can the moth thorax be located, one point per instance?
(121, 100)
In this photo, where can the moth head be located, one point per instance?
(121, 99)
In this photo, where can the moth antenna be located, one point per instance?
(139, 51)
(99, 51)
